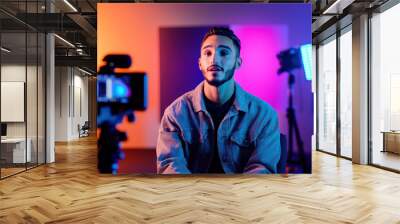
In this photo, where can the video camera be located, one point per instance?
(127, 90)
(118, 95)
(289, 60)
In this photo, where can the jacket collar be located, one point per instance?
(240, 103)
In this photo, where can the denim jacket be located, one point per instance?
(248, 136)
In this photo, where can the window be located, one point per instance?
(385, 89)
(327, 96)
(346, 92)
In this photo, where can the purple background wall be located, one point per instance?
(179, 54)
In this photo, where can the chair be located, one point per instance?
(84, 130)
(281, 167)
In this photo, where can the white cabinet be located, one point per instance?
(17, 146)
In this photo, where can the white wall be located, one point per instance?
(61, 103)
(80, 100)
(13, 72)
(71, 94)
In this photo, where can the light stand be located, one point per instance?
(292, 122)
(290, 60)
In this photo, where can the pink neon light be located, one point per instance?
(258, 73)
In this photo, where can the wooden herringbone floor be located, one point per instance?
(71, 191)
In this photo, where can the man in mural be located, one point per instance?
(218, 127)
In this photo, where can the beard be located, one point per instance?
(215, 82)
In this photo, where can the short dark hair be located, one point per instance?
(223, 31)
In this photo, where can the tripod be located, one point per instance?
(108, 143)
(291, 116)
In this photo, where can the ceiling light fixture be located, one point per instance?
(84, 71)
(65, 41)
(5, 50)
(70, 5)
(337, 7)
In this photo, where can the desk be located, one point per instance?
(391, 141)
(15, 148)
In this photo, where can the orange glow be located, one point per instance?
(123, 34)
(98, 132)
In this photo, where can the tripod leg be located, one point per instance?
(290, 145)
(300, 145)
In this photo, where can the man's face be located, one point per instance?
(218, 59)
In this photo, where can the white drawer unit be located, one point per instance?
(17, 146)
